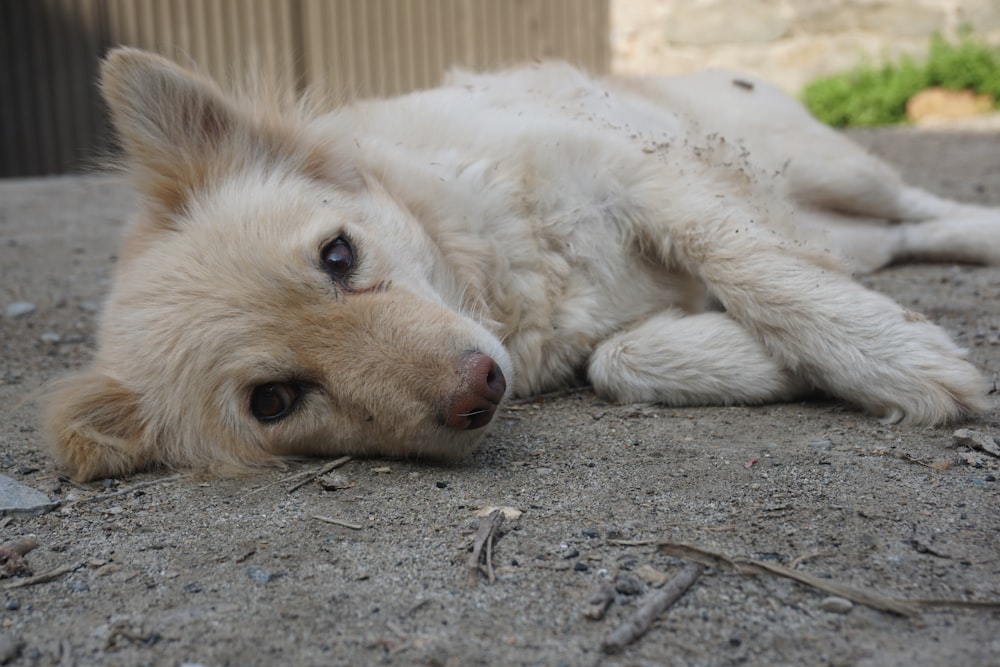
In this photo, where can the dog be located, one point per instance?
(378, 278)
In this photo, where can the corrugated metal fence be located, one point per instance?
(52, 121)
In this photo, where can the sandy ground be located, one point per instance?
(164, 570)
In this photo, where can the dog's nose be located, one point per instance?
(481, 388)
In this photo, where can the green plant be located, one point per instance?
(877, 95)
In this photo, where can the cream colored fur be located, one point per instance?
(681, 240)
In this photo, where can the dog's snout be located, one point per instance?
(481, 388)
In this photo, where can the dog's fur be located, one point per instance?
(685, 240)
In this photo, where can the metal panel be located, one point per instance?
(52, 120)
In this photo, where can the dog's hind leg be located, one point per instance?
(875, 219)
(678, 359)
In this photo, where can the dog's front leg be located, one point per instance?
(816, 321)
(679, 359)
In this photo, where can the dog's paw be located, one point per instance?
(927, 379)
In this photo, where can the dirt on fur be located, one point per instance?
(370, 564)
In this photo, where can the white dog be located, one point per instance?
(377, 279)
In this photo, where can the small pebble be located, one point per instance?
(581, 566)
(821, 445)
(259, 575)
(90, 306)
(836, 605)
(50, 337)
(591, 533)
(19, 308)
(77, 586)
(627, 585)
(441, 485)
(12, 605)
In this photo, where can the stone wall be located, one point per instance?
(789, 42)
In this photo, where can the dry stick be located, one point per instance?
(639, 623)
(750, 566)
(42, 578)
(488, 527)
(338, 522)
(322, 471)
(119, 492)
(307, 474)
(809, 556)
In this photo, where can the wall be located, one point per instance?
(789, 42)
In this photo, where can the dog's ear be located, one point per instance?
(95, 425)
(171, 122)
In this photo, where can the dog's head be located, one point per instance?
(271, 299)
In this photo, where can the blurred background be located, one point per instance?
(52, 121)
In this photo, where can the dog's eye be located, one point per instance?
(338, 258)
(273, 400)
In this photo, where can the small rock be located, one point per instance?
(90, 306)
(591, 533)
(821, 445)
(16, 498)
(334, 481)
(259, 575)
(19, 309)
(441, 485)
(12, 605)
(509, 513)
(50, 337)
(77, 586)
(976, 440)
(627, 585)
(836, 605)
(581, 567)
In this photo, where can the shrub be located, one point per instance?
(877, 95)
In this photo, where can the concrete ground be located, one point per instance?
(372, 568)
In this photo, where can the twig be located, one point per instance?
(639, 623)
(42, 578)
(794, 565)
(750, 566)
(932, 603)
(307, 474)
(120, 492)
(631, 543)
(338, 522)
(488, 527)
(332, 465)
